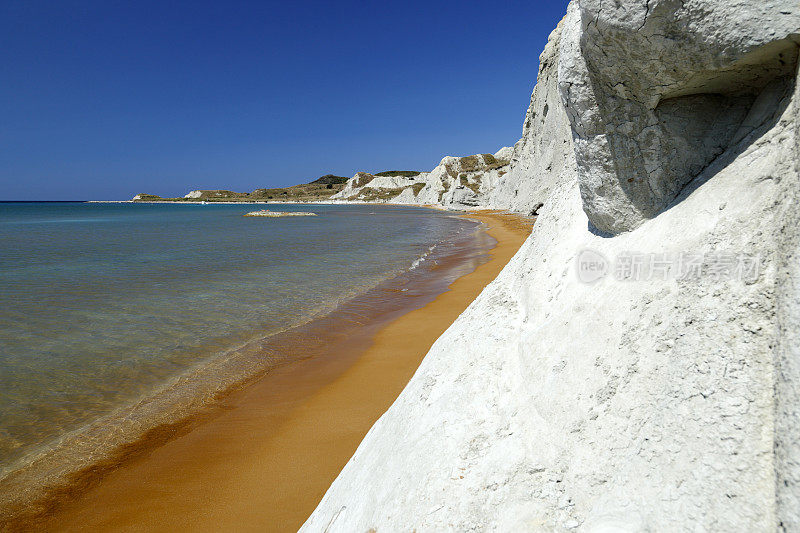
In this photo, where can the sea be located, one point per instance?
(115, 317)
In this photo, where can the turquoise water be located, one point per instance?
(101, 304)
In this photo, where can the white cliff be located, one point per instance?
(457, 182)
(659, 397)
(516, 179)
(544, 153)
(656, 91)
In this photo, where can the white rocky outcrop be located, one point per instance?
(518, 178)
(661, 399)
(544, 153)
(266, 213)
(194, 194)
(657, 90)
(457, 182)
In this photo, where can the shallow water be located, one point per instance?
(101, 305)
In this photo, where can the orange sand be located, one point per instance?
(264, 459)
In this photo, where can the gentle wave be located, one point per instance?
(422, 258)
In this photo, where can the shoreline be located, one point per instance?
(57, 469)
(463, 210)
(277, 424)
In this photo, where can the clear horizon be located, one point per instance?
(101, 102)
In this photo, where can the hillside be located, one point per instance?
(320, 189)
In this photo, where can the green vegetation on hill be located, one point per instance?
(217, 194)
(403, 173)
(319, 189)
(471, 163)
(474, 187)
(372, 195)
(330, 179)
(446, 186)
(492, 162)
(363, 178)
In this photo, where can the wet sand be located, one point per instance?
(264, 457)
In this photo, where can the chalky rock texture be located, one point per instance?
(634, 403)
(544, 152)
(656, 90)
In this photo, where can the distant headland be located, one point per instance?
(322, 188)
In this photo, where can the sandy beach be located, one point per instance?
(263, 458)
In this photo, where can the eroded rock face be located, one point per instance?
(544, 153)
(651, 405)
(661, 404)
(657, 90)
(457, 182)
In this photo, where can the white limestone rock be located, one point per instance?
(457, 182)
(544, 152)
(656, 404)
(551, 404)
(505, 153)
(536, 162)
(656, 90)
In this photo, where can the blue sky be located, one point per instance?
(106, 99)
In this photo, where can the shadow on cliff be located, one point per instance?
(786, 87)
(713, 123)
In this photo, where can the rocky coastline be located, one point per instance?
(636, 366)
